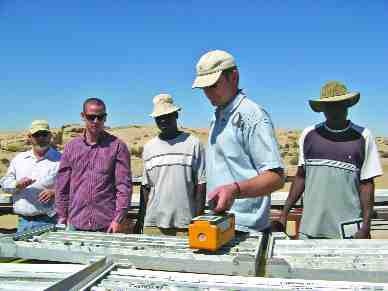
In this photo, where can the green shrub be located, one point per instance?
(5, 162)
(293, 161)
(137, 150)
(16, 147)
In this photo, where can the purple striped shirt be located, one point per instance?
(93, 185)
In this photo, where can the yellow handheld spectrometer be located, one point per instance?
(211, 231)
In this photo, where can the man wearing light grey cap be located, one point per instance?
(243, 164)
(174, 174)
(31, 177)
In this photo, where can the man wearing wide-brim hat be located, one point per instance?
(31, 177)
(242, 158)
(338, 161)
(174, 174)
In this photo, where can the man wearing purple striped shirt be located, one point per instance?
(94, 179)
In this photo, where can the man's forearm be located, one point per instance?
(200, 198)
(61, 208)
(145, 193)
(367, 190)
(47, 182)
(146, 198)
(122, 204)
(123, 183)
(62, 198)
(263, 184)
(61, 203)
(62, 188)
(296, 191)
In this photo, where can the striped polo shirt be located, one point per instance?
(335, 161)
(172, 169)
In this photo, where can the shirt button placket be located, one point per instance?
(92, 220)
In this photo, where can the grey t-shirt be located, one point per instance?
(172, 168)
(334, 162)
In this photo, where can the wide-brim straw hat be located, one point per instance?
(334, 92)
(210, 67)
(163, 104)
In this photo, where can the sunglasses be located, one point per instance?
(92, 117)
(41, 134)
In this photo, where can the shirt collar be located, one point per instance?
(337, 130)
(233, 104)
(100, 139)
(30, 154)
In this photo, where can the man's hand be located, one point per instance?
(362, 233)
(46, 195)
(223, 197)
(114, 227)
(283, 221)
(24, 183)
(62, 220)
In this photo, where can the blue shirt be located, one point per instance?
(242, 144)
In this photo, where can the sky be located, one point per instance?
(55, 54)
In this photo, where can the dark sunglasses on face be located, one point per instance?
(92, 117)
(41, 134)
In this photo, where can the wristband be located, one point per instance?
(237, 195)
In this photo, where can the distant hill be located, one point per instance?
(135, 136)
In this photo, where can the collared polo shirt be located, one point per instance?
(44, 171)
(242, 144)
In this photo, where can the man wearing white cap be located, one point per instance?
(338, 161)
(31, 177)
(174, 174)
(243, 163)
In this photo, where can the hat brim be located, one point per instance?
(206, 80)
(35, 130)
(165, 112)
(349, 99)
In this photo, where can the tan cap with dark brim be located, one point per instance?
(210, 67)
(334, 92)
(39, 125)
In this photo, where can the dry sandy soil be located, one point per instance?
(135, 136)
